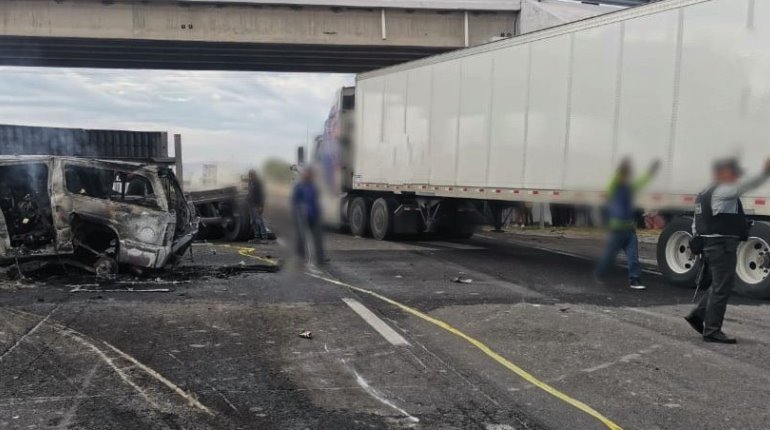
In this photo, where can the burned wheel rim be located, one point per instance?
(679, 257)
(105, 267)
(753, 266)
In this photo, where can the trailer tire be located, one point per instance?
(358, 217)
(752, 273)
(381, 218)
(675, 261)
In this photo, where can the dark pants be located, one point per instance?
(258, 223)
(626, 241)
(720, 256)
(312, 226)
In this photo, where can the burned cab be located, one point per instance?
(97, 214)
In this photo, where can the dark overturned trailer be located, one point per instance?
(73, 196)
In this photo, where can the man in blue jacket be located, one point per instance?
(306, 212)
(622, 223)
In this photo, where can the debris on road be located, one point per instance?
(462, 279)
(114, 290)
(306, 334)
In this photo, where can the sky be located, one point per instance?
(237, 119)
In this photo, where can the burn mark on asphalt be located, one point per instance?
(79, 281)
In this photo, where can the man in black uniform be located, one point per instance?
(719, 226)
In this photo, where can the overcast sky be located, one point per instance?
(230, 117)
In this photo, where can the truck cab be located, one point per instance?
(332, 154)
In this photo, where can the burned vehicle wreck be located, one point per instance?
(97, 214)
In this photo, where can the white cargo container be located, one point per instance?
(547, 116)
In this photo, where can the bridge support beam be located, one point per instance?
(171, 34)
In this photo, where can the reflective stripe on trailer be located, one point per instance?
(652, 201)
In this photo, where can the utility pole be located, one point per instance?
(178, 158)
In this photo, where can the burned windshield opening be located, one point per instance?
(110, 184)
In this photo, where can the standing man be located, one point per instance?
(256, 200)
(307, 216)
(721, 225)
(622, 223)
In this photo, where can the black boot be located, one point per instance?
(719, 337)
(695, 322)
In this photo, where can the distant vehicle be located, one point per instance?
(546, 117)
(224, 213)
(101, 213)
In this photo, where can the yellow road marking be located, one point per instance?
(486, 350)
(248, 252)
(475, 342)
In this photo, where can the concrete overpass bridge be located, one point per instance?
(249, 35)
(277, 35)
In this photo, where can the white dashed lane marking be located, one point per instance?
(378, 324)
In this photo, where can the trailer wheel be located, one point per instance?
(382, 218)
(238, 226)
(358, 217)
(753, 269)
(675, 260)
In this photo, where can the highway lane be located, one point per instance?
(231, 343)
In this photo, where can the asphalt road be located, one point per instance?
(395, 344)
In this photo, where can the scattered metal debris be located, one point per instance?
(462, 279)
(117, 290)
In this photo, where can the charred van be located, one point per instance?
(99, 214)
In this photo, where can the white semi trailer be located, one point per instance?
(547, 116)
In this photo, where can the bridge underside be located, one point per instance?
(167, 34)
(197, 55)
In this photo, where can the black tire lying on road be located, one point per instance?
(752, 277)
(675, 260)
